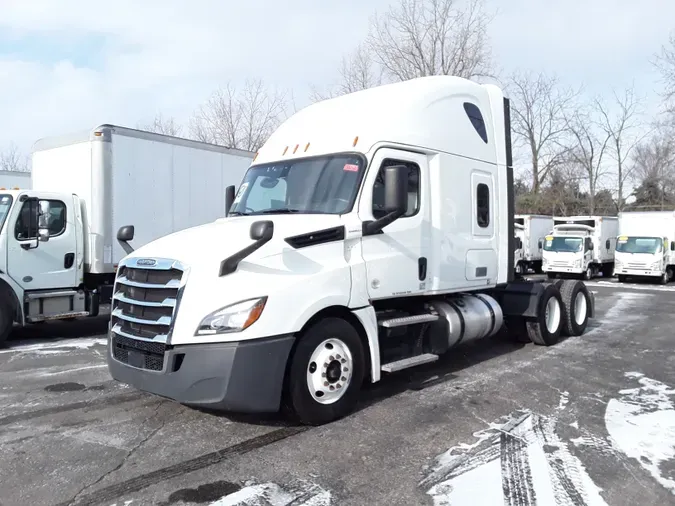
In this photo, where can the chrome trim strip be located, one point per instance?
(174, 283)
(164, 320)
(159, 338)
(168, 302)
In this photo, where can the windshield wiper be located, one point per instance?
(279, 211)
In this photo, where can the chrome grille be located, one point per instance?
(636, 266)
(146, 295)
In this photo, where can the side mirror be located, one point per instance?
(396, 189)
(229, 198)
(124, 235)
(519, 243)
(43, 234)
(262, 230)
(607, 244)
(43, 221)
(540, 244)
(672, 245)
(590, 246)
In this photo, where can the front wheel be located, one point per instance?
(519, 269)
(664, 278)
(6, 319)
(326, 373)
(588, 275)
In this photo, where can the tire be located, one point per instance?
(588, 275)
(6, 319)
(577, 302)
(546, 328)
(537, 268)
(621, 278)
(519, 269)
(663, 280)
(669, 270)
(322, 341)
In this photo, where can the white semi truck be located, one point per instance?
(530, 229)
(581, 245)
(373, 233)
(58, 241)
(14, 180)
(645, 247)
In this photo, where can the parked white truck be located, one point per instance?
(373, 233)
(59, 250)
(14, 180)
(581, 245)
(645, 247)
(531, 229)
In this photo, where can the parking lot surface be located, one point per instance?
(589, 421)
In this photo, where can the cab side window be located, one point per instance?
(26, 223)
(413, 189)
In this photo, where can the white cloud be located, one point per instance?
(121, 62)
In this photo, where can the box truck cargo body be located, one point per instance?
(645, 247)
(12, 179)
(530, 232)
(59, 237)
(581, 245)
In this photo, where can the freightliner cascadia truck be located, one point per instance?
(372, 233)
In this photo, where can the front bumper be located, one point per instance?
(639, 272)
(563, 268)
(245, 377)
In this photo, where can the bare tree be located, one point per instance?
(540, 106)
(665, 63)
(162, 125)
(587, 150)
(12, 160)
(358, 71)
(622, 128)
(239, 119)
(432, 37)
(654, 170)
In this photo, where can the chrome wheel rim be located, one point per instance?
(329, 371)
(580, 308)
(552, 315)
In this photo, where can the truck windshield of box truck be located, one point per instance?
(639, 245)
(318, 185)
(5, 205)
(564, 244)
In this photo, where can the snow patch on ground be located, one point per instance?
(641, 424)
(270, 494)
(56, 346)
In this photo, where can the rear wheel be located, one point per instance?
(621, 278)
(326, 373)
(545, 329)
(577, 303)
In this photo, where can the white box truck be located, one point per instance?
(14, 180)
(60, 252)
(373, 233)
(645, 247)
(581, 245)
(531, 229)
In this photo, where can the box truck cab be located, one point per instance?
(530, 232)
(581, 245)
(645, 247)
(58, 248)
(373, 233)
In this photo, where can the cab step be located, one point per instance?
(408, 320)
(405, 363)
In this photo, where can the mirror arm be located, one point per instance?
(126, 247)
(375, 227)
(230, 264)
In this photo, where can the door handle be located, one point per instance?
(422, 268)
(68, 260)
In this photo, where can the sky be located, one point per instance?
(71, 65)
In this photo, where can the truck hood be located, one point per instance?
(317, 275)
(211, 243)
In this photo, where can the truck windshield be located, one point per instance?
(564, 244)
(639, 244)
(5, 206)
(319, 185)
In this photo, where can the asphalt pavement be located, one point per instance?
(589, 421)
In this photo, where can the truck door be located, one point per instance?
(36, 265)
(396, 259)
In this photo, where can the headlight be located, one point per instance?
(232, 318)
(577, 263)
(656, 266)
